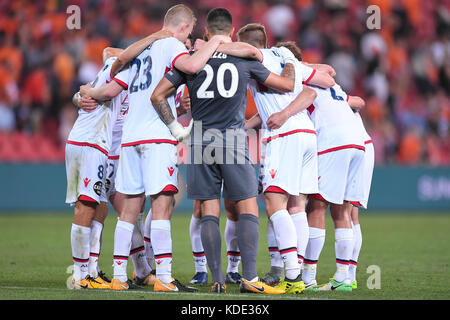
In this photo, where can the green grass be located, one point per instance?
(412, 252)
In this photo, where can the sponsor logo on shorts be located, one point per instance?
(86, 181)
(107, 185)
(98, 187)
(171, 170)
(273, 173)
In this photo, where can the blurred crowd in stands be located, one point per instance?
(402, 70)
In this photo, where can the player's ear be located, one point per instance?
(231, 32)
(207, 34)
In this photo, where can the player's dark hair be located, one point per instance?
(219, 21)
(254, 34)
(291, 45)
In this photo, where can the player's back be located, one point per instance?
(141, 79)
(333, 119)
(269, 101)
(96, 127)
(219, 91)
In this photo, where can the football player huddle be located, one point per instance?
(314, 154)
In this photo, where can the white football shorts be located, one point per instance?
(148, 168)
(86, 174)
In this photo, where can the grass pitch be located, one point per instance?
(412, 253)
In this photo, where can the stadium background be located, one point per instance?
(401, 70)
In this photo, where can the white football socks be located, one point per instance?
(162, 247)
(274, 253)
(147, 239)
(79, 240)
(312, 254)
(95, 246)
(286, 236)
(357, 243)
(301, 226)
(231, 241)
(122, 245)
(198, 252)
(343, 247)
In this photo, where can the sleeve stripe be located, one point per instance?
(123, 84)
(175, 59)
(348, 97)
(310, 77)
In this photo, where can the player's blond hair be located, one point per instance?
(178, 14)
(254, 34)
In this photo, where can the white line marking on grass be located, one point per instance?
(199, 294)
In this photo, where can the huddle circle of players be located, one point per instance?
(123, 148)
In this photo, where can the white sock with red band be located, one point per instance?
(147, 239)
(95, 246)
(231, 241)
(79, 240)
(122, 245)
(274, 253)
(198, 252)
(162, 248)
(312, 254)
(287, 242)
(301, 226)
(344, 247)
(357, 243)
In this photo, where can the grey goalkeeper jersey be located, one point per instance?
(218, 93)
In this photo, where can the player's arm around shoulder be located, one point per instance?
(103, 93)
(241, 50)
(356, 102)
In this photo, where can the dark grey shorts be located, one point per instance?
(204, 181)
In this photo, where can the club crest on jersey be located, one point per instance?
(98, 188)
(86, 181)
(273, 173)
(171, 170)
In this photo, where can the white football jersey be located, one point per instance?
(143, 124)
(362, 128)
(333, 119)
(268, 101)
(95, 128)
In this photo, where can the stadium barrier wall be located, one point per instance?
(42, 187)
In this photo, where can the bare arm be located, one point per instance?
(241, 50)
(322, 67)
(135, 49)
(102, 93)
(303, 101)
(285, 82)
(159, 100)
(322, 79)
(253, 122)
(356, 102)
(192, 64)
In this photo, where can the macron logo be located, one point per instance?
(273, 173)
(171, 170)
(86, 181)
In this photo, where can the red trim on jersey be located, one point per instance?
(86, 198)
(129, 144)
(317, 196)
(310, 77)
(170, 188)
(288, 133)
(311, 109)
(86, 144)
(123, 84)
(275, 189)
(126, 96)
(175, 59)
(348, 97)
(113, 157)
(368, 141)
(349, 146)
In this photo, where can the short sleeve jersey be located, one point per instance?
(269, 101)
(143, 123)
(96, 127)
(334, 120)
(219, 92)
